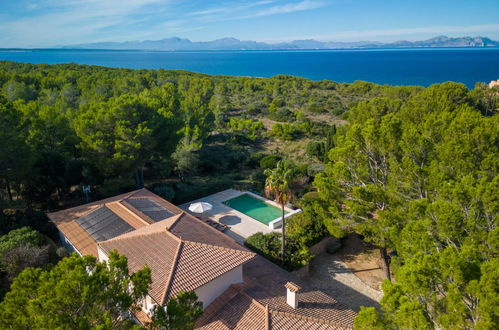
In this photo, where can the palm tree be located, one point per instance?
(277, 185)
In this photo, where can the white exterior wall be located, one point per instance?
(149, 305)
(67, 244)
(102, 255)
(211, 290)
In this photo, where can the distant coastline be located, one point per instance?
(7, 50)
(183, 44)
(380, 49)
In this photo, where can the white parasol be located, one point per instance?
(200, 207)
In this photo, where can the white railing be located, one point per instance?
(277, 222)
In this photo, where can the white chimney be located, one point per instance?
(292, 294)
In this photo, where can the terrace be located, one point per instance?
(244, 213)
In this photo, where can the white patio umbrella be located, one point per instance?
(200, 207)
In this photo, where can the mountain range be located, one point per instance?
(180, 44)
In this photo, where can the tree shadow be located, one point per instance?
(353, 246)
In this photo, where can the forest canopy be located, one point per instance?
(412, 170)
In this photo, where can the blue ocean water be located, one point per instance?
(394, 67)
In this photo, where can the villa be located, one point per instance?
(238, 289)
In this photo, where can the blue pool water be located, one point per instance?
(254, 208)
(395, 67)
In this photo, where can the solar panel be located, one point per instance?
(102, 224)
(150, 208)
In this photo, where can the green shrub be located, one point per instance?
(315, 149)
(22, 248)
(269, 161)
(186, 162)
(269, 246)
(301, 170)
(281, 114)
(255, 108)
(286, 131)
(314, 169)
(255, 158)
(309, 198)
(314, 106)
(62, 252)
(19, 237)
(249, 129)
(306, 228)
(266, 245)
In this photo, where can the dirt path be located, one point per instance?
(363, 260)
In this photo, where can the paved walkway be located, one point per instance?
(331, 275)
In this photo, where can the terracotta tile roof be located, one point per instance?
(176, 264)
(152, 246)
(200, 263)
(265, 286)
(292, 287)
(236, 309)
(311, 303)
(191, 228)
(65, 220)
(80, 239)
(233, 310)
(287, 321)
(141, 316)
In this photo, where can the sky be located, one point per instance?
(51, 23)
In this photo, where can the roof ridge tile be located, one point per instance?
(267, 318)
(178, 217)
(172, 271)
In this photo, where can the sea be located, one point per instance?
(422, 66)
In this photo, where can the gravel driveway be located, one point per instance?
(329, 274)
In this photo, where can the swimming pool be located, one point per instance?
(254, 208)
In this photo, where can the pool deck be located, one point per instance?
(240, 225)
